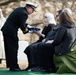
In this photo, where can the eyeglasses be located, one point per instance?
(45, 17)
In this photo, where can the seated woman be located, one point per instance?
(48, 22)
(61, 45)
(66, 63)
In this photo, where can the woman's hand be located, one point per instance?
(50, 41)
(43, 40)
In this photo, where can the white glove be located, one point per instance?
(32, 28)
(28, 26)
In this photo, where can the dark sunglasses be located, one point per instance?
(45, 17)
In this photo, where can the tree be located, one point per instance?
(9, 1)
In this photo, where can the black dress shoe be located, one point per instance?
(16, 69)
(35, 69)
(28, 68)
(40, 69)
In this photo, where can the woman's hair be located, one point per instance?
(59, 11)
(67, 10)
(50, 17)
(66, 17)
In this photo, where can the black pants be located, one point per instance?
(31, 52)
(45, 56)
(11, 49)
(41, 54)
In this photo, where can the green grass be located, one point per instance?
(7, 72)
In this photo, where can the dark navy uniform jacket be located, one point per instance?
(17, 19)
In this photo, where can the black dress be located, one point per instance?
(31, 50)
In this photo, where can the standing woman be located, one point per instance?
(2, 20)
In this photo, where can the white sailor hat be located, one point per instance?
(32, 5)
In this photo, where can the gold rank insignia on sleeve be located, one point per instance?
(25, 31)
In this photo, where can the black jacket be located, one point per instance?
(51, 34)
(45, 31)
(15, 20)
(64, 39)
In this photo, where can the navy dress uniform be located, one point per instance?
(17, 19)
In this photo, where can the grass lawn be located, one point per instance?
(7, 72)
(4, 71)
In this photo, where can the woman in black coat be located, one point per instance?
(61, 45)
(31, 50)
